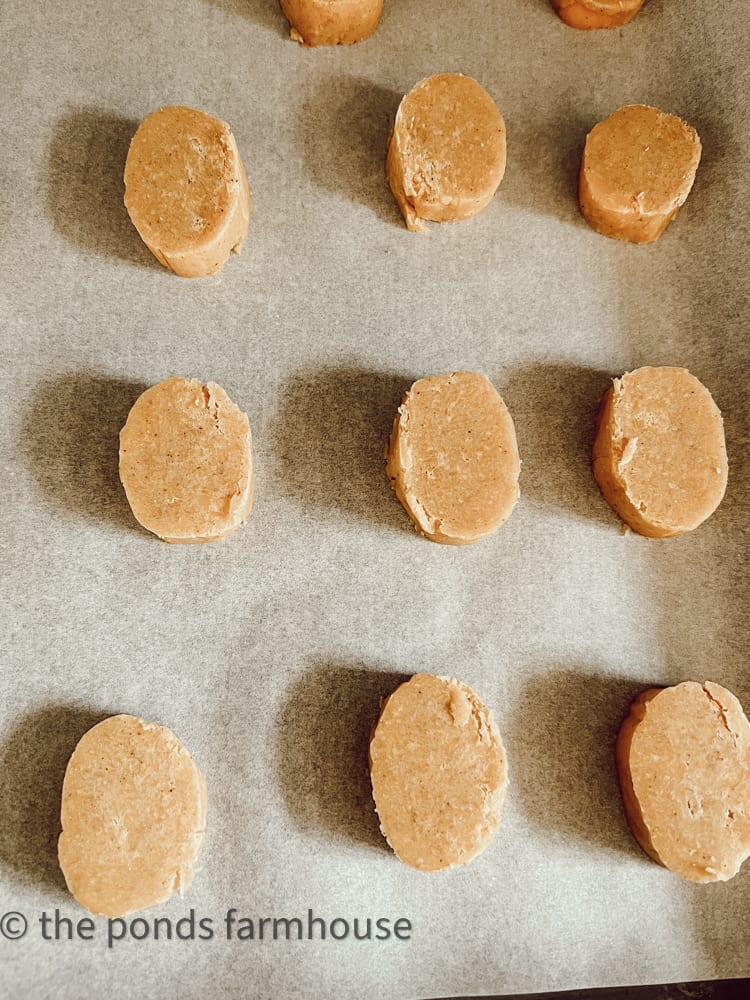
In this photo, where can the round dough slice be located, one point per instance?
(452, 458)
(439, 773)
(446, 153)
(588, 14)
(133, 817)
(186, 461)
(332, 22)
(637, 170)
(659, 455)
(683, 762)
(186, 190)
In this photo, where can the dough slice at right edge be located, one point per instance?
(659, 453)
(637, 169)
(683, 764)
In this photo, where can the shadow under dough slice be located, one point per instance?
(133, 817)
(439, 773)
(186, 461)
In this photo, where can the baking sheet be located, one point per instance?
(268, 653)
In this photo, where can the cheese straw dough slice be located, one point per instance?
(683, 762)
(133, 817)
(332, 22)
(637, 170)
(186, 190)
(452, 458)
(439, 773)
(589, 14)
(446, 153)
(186, 461)
(659, 454)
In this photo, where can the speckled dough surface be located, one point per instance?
(186, 190)
(683, 761)
(659, 453)
(439, 773)
(452, 458)
(637, 169)
(186, 461)
(332, 22)
(133, 817)
(446, 153)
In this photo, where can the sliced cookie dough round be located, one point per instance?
(133, 817)
(637, 169)
(186, 190)
(332, 22)
(452, 458)
(683, 763)
(590, 14)
(659, 454)
(438, 771)
(186, 461)
(446, 153)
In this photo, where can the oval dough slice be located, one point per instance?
(332, 22)
(637, 170)
(659, 455)
(588, 14)
(133, 817)
(439, 773)
(186, 461)
(186, 190)
(446, 153)
(683, 762)
(452, 458)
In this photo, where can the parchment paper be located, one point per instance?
(267, 653)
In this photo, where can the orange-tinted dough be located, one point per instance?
(637, 170)
(133, 817)
(332, 22)
(683, 762)
(446, 153)
(452, 458)
(588, 14)
(439, 773)
(659, 454)
(186, 190)
(186, 461)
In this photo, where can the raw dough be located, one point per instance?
(683, 761)
(452, 458)
(637, 170)
(186, 190)
(186, 461)
(439, 773)
(332, 22)
(589, 14)
(659, 454)
(133, 817)
(446, 153)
